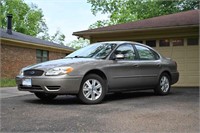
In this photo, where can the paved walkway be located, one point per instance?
(11, 92)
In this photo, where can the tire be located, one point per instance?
(164, 85)
(45, 96)
(92, 89)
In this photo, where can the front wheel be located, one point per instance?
(45, 96)
(164, 85)
(92, 89)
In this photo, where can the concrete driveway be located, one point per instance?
(129, 112)
(11, 92)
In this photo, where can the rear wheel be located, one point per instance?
(45, 96)
(164, 85)
(92, 90)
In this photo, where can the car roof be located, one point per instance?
(132, 42)
(121, 42)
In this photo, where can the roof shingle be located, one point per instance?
(178, 19)
(26, 38)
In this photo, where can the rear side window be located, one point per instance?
(145, 53)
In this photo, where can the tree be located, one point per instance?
(122, 11)
(58, 37)
(80, 43)
(26, 19)
(99, 23)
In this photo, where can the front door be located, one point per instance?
(124, 73)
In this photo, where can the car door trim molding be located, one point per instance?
(134, 76)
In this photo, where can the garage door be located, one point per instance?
(187, 57)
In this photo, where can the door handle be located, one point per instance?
(159, 65)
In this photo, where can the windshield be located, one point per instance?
(97, 50)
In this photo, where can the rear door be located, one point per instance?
(150, 66)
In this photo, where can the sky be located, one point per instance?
(68, 16)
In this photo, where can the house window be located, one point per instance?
(151, 43)
(193, 41)
(164, 43)
(42, 55)
(177, 42)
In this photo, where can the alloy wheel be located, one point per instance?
(92, 89)
(164, 84)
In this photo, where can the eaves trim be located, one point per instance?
(33, 45)
(129, 30)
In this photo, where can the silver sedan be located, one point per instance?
(98, 69)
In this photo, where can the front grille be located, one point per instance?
(53, 87)
(33, 87)
(33, 72)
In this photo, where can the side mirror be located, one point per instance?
(119, 56)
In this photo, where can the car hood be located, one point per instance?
(59, 63)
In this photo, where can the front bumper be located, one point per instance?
(51, 84)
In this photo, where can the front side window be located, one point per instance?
(145, 53)
(127, 50)
(42, 55)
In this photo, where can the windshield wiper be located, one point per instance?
(77, 57)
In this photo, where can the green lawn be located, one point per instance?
(7, 82)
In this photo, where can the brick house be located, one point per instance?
(19, 50)
(175, 36)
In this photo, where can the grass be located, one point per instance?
(7, 83)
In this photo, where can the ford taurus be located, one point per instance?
(98, 69)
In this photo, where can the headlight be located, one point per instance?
(59, 71)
